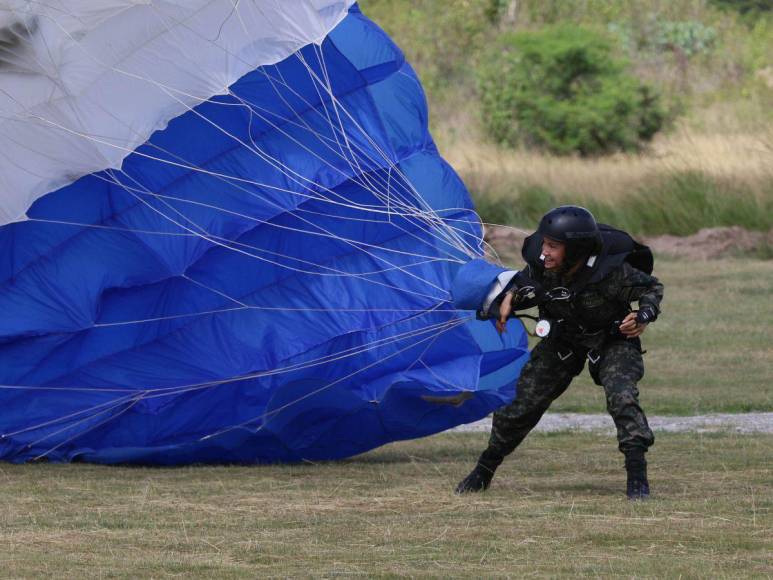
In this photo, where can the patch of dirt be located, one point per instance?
(707, 244)
(710, 243)
(506, 241)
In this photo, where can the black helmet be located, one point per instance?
(576, 227)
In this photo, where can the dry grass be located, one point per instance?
(556, 509)
(744, 159)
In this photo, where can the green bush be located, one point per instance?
(562, 90)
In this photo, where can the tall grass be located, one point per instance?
(683, 184)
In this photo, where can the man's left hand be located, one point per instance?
(630, 328)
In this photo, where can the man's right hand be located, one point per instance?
(505, 310)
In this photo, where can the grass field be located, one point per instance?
(556, 509)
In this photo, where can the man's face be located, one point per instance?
(554, 252)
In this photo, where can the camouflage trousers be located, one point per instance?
(617, 367)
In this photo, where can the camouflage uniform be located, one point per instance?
(584, 326)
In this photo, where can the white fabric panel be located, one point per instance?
(84, 82)
(496, 288)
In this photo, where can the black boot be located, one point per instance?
(636, 465)
(480, 477)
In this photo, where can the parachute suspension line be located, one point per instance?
(353, 162)
(337, 106)
(366, 186)
(259, 309)
(328, 358)
(327, 87)
(325, 359)
(132, 399)
(279, 165)
(489, 249)
(430, 344)
(311, 107)
(114, 228)
(214, 291)
(412, 209)
(426, 258)
(153, 393)
(202, 234)
(265, 416)
(388, 196)
(334, 100)
(174, 391)
(364, 175)
(389, 199)
(112, 404)
(129, 406)
(321, 138)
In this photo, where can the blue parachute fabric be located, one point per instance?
(260, 281)
(473, 282)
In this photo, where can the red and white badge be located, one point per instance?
(542, 329)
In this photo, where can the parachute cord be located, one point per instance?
(375, 145)
(111, 404)
(237, 250)
(333, 357)
(436, 221)
(326, 359)
(267, 223)
(264, 416)
(129, 406)
(403, 201)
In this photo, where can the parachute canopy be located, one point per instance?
(229, 238)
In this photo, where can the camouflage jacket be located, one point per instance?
(590, 316)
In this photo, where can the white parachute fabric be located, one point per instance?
(84, 82)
